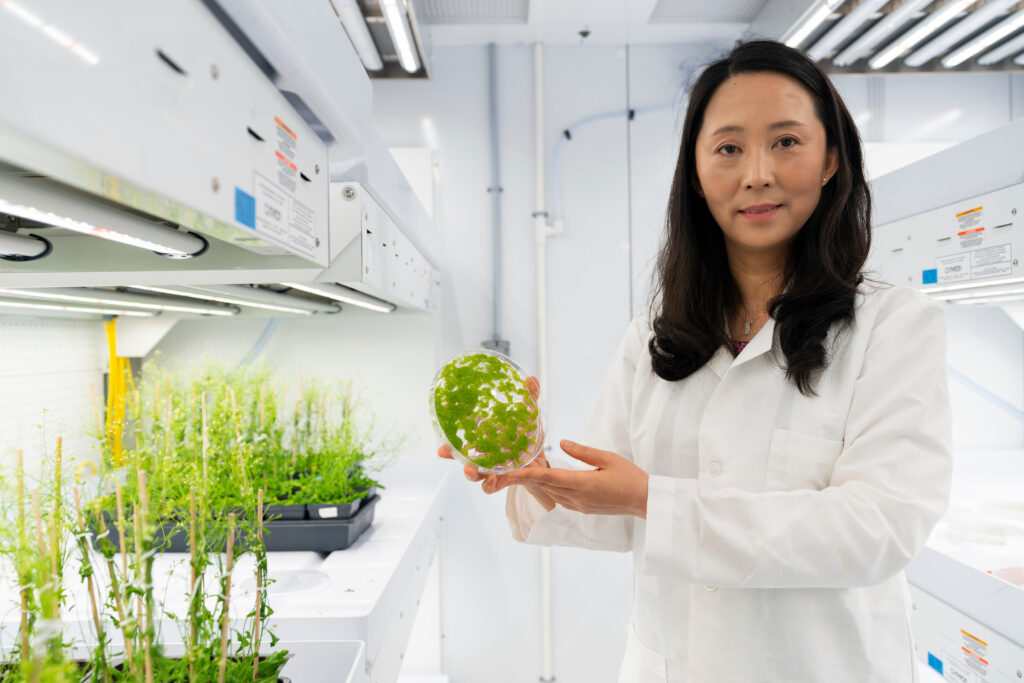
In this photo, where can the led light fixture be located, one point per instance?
(35, 305)
(240, 295)
(401, 33)
(359, 35)
(1010, 25)
(844, 27)
(808, 21)
(14, 247)
(888, 25)
(108, 298)
(929, 25)
(345, 295)
(974, 21)
(37, 199)
(988, 285)
(1007, 49)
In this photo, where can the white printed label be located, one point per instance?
(284, 218)
(994, 261)
(328, 512)
(953, 268)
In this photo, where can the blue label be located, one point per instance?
(934, 662)
(930, 277)
(245, 208)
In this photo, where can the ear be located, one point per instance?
(831, 163)
(695, 183)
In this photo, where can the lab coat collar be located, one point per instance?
(760, 344)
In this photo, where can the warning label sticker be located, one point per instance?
(969, 227)
(994, 261)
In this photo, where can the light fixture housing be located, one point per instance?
(27, 304)
(244, 296)
(345, 295)
(397, 19)
(929, 25)
(888, 25)
(1007, 49)
(986, 40)
(844, 27)
(956, 33)
(36, 199)
(351, 18)
(102, 297)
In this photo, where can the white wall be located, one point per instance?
(489, 584)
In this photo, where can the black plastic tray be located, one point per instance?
(320, 535)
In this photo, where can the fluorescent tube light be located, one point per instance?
(988, 284)
(358, 33)
(974, 21)
(844, 27)
(929, 25)
(344, 295)
(40, 200)
(240, 295)
(1019, 60)
(808, 21)
(1007, 49)
(986, 40)
(397, 20)
(35, 305)
(107, 298)
(888, 25)
(14, 247)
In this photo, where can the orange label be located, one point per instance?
(968, 232)
(962, 213)
(286, 160)
(974, 637)
(286, 128)
(983, 661)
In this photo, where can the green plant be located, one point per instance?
(485, 409)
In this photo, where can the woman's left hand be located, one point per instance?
(616, 487)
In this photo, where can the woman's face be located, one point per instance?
(762, 161)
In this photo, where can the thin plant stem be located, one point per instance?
(83, 546)
(21, 546)
(192, 585)
(226, 602)
(115, 589)
(146, 567)
(259, 585)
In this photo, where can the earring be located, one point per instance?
(824, 181)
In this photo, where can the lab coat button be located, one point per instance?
(709, 588)
(714, 468)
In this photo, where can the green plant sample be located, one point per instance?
(485, 409)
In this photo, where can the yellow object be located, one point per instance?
(117, 385)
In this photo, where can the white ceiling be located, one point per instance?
(468, 22)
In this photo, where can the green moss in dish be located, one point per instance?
(486, 410)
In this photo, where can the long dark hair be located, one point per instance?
(695, 288)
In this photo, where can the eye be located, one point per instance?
(788, 142)
(728, 150)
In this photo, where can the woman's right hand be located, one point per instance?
(492, 483)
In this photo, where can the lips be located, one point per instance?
(760, 208)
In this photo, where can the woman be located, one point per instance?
(773, 440)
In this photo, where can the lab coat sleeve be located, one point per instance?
(608, 429)
(889, 486)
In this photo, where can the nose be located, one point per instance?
(758, 171)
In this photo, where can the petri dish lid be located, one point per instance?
(484, 411)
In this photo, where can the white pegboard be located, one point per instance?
(51, 371)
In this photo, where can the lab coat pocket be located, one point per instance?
(800, 461)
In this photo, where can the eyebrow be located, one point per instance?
(739, 129)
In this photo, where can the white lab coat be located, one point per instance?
(778, 525)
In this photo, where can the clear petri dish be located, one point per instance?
(484, 411)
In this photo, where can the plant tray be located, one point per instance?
(320, 535)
